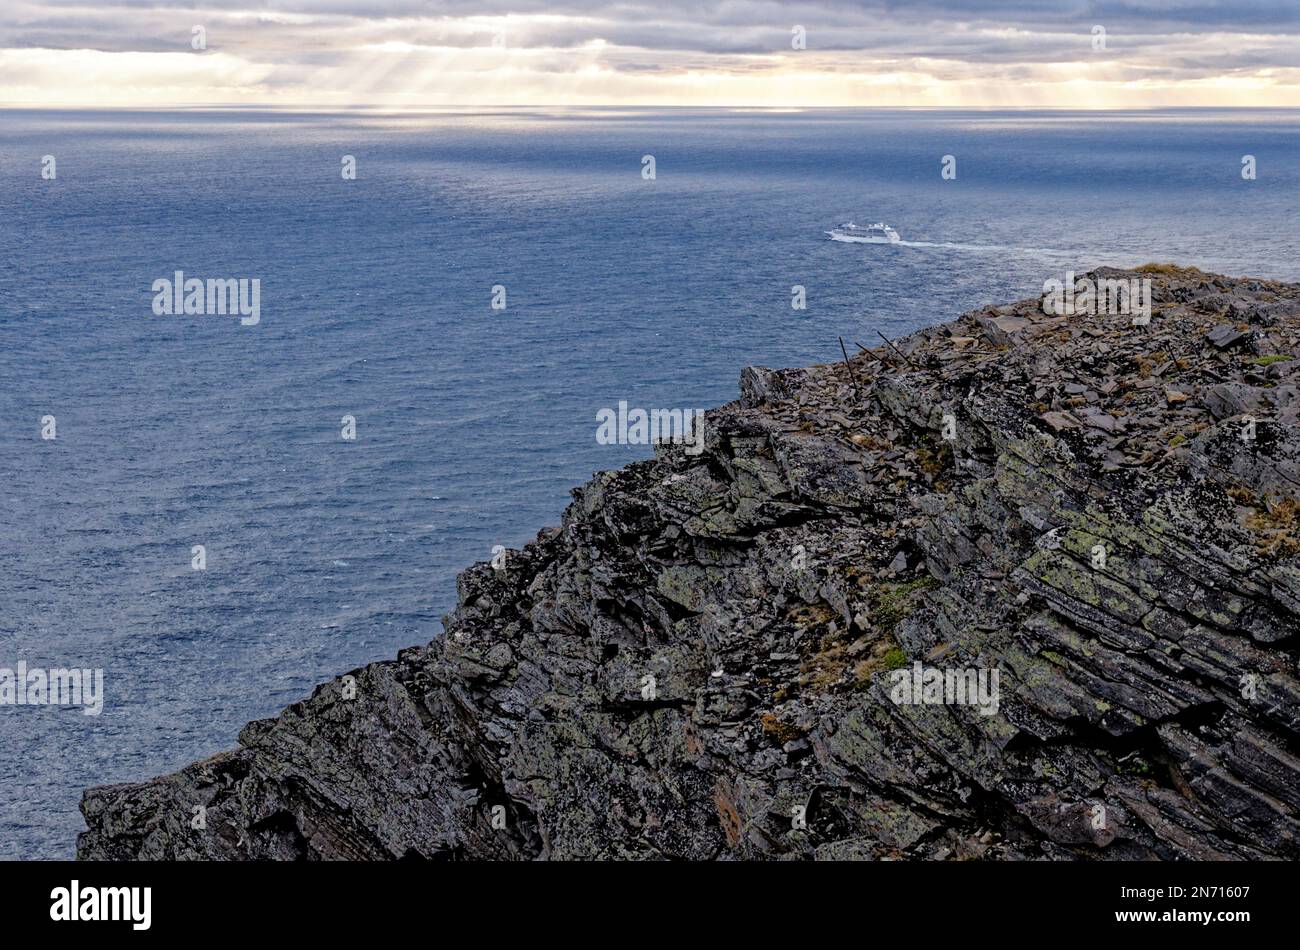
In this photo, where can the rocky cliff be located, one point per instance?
(758, 651)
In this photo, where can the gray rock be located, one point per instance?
(710, 647)
(1224, 336)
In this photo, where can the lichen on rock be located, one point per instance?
(697, 663)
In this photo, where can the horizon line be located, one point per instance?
(608, 107)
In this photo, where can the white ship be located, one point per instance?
(871, 234)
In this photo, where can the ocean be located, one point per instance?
(321, 553)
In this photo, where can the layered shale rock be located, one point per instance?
(702, 661)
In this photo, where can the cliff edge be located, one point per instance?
(1018, 586)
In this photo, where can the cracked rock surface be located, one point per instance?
(700, 661)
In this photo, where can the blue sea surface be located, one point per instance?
(472, 423)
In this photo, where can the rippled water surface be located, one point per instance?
(472, 424)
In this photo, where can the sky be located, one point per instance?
(403, 54)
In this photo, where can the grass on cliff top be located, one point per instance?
(830, 655)
(781, 731)
(1277, 528)
(1168, 270)
(892, 602)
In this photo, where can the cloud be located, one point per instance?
(411, 52)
